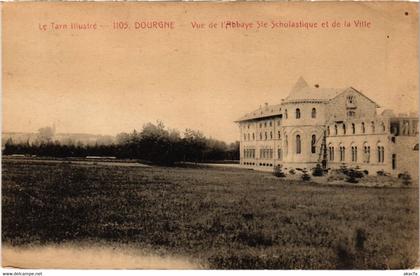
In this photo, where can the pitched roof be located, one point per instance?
(263, 111)
(302, 91)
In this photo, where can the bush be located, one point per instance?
(380, 173)
(406, 178)
(353, 175)
(292, 171)
(352, 179)
(366, 172)
(343, 169)
(317, 171)
(306, 176)
(278, 171)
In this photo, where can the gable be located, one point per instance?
(352, 90)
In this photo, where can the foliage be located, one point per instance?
(305, 175)
(406, 178)
(278, 171)
(381, 173)
(155, 143)
(317, 171)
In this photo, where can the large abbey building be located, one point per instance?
(331, 127)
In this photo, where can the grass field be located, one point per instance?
(220, 217)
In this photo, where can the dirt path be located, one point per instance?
(75, 256)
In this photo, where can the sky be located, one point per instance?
(107, 81)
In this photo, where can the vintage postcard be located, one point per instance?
(217, 135)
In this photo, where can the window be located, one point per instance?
(313, 113)
(366, 154)
(381, 154)
(244, 136)
(297, 113)
(363, 128)
(351, 113)
(253, 136)
(298, 144)
(336, 129)
(372, 124)
(344, 129)
(260, 125)
(285, 113)
(350, 99)
(353, 128)
(265, 135)
(249, 136)
(286, 145)
(394, 161)
(313, 144)
(383, 127)
(265, 124)
(354, 154)
(279, 155)
(342, 153)
(260, 135)
(328, 130)
(278, 134)
(271, 135)
(271, 124)
(331, 153)
(278, 122)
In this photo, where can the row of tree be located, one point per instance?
(154, 143)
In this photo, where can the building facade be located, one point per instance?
(332, 127)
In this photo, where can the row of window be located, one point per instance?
(266, 153)
(263, 124)
(298, 113)
(249, 153)
(366, 154)
(258, 164)
(265, 136)
(353, 128)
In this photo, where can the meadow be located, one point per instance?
(223, 218)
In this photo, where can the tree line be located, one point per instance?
(154, 143)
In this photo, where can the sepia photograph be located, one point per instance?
(210, 136)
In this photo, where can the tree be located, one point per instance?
(46, 134)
